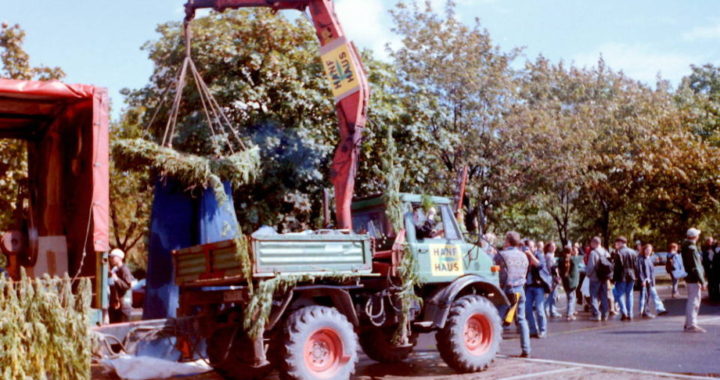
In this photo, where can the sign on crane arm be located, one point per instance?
(337, 58)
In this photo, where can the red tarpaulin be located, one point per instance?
(66, 129)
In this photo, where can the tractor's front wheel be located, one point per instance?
(471, 337)
(319, 343)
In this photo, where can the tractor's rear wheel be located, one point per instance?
(471, 337)
(234, 360)
(319, 343)
(376, 343)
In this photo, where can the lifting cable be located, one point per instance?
(217, 120)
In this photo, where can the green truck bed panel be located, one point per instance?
(276, 254)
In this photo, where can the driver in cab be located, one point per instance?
(426, 225)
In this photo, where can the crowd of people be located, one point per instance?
(604, 280)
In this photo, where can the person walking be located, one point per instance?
(551, 300)
(625, 269)
(599, 270)
(695, 280)
(537, 286)
(646, 277)
(120, 280)
(674, 267)
(513, 274)
(708, 254)
(569, 270)
(714, 276)
(582, 300)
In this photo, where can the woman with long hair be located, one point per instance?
(569, 270)
(674, 267)
(646, 271)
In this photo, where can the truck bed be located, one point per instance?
(272, 255)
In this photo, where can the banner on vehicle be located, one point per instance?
(446, 260)
(340, 68)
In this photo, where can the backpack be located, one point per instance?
(603, 268)
(670, 264)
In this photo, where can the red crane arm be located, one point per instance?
(348, 80)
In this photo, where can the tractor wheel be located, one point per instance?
(234, 361)
(471, 336)
(375, 342)
(319, 343)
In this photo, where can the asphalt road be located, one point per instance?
(654, 345)
(658, 344)
(581, 349)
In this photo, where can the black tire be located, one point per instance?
(476, 351)
(333, 340)
(234, 362)
(375, 342)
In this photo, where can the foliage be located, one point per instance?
(13, 153)
(261, 299)
(264, 71)
(130, 197)
(44, 328)
(393, 178)
(242, 254)
(458, 85)
(409, 281)
(556, 151)
(699, 96)
(16, 62)
(188, 169)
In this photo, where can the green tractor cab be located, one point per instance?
(443, 254)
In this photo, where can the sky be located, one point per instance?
(98, 41)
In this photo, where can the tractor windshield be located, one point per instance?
(373, 222)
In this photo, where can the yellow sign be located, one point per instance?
(340, 68)
(446, 260)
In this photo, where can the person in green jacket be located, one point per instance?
(569, 269)
(695, 280)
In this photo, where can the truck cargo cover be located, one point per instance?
(66, 127)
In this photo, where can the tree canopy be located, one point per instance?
(553, 150)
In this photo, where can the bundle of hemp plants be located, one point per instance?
(44, 328)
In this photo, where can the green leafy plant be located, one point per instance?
(190, 170)
(44, 330)
(258, 310)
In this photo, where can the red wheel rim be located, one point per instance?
(478, 334)
(324, 353)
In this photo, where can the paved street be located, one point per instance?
(642, 349)
(657, 345)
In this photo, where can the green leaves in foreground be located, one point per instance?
(190, 170)
(44, 330)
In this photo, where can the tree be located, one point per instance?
(554, 111)
(458, 85)
(265, 72)
(699, 96)
(130, 197)
(13, 153)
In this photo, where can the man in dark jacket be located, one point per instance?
(624, 277)
(695, 280)
(714, 276)
(708, 255)
(120, 282)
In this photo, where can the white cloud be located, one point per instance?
(640, 61)
(367, 23)
(703, 33)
